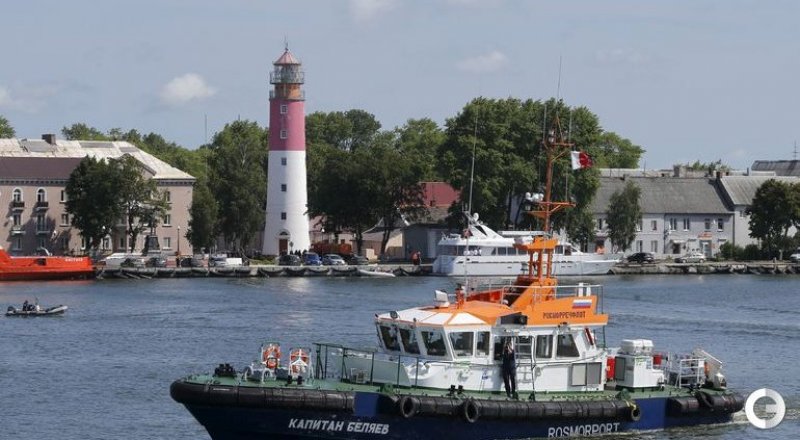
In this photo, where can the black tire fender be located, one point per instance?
(470, 411)
(408, 406)
(635, 413)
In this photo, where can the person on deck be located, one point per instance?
(509, 358)
(25, 306)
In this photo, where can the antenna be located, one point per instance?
(794, 156)
(558, 89)
(472, 171)
(286, 42)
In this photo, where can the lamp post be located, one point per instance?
(179, 240)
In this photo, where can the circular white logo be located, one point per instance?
(777, 409)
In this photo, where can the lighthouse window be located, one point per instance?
(544, 346)
(284, 109)
(462, 343)
(389, 337)
(434, 343)
(283, 187)
(566, 346)
(283, 161)
(283, 216)
(409, 339)
(284, 134)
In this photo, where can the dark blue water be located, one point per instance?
(103, 370)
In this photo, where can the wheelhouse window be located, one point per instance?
(389, 337)
(462, 343)
(544, 346)
(409, 339)
(566, 346)
(524, 346)
(434, 342)
(482, 345)
(586, 374)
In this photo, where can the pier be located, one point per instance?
(263, 271)
(722, 267)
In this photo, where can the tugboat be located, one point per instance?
(439, 370)
(44, 267)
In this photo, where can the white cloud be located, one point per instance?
(26, 97)
(486, 63)
(367, 10)
(183, 89)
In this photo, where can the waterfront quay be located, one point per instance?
(264, 271)
(721, 267)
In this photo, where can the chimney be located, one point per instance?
(49, 138)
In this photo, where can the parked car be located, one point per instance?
(355, 260)
(691, 257)
(312, 259)
(289, 260)
(191, 262)
(641, 258)
(218, 261)
(132, 262)
(156, 262)
(333, 260)
(795, 257)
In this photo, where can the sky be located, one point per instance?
(686, 80)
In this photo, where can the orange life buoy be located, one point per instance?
(298, 361)
(270, 356)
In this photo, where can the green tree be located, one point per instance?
(237, 177)
(772, 213)
(138, 196)
(202, 231)
(623, 215)
(6, 130)
(347, 131)
(617, 152)
(420, 140)
(82, 132)
(92, 199)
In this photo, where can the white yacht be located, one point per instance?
(481, 251)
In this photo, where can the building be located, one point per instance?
(33, 177)
(679, 214)
(286, 228)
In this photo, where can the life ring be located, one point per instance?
(298, 361)
(408, 406)
(270, 356)
(470, 411)
(635, 413)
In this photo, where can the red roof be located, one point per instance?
(286, 58)
(439, 194)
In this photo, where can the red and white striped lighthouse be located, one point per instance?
(286, 227)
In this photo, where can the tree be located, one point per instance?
(81, 131)
(623, 216)
(238, 181)
(92, 199)
(420, 139)
(138, 196)
(617, 152)
(772, 212)
(202, 231)
(6, 130)
(347, 131)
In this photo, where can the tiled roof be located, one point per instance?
(665, 195)
(37, 148)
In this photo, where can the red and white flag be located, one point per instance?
(580, 160)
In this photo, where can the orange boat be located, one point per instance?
(43, 268)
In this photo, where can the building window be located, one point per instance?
(16, 219)
(41, 225)
(639, 226)
(106, 245)
(64, 219)
(122, 244)
(167, 196)
(284, 109)
(708, 224)
(167, 219)
(639, 246)
(283, 161)
(41, 195)
(16, 196)
(283, 187)
(167, 242)
(720, 224)
(599, 224)
(283, 216)
(63, 196)
(17, 246)
(654, 246)
(686, 224)
(284, 134)
(654, 225)
(673, 224)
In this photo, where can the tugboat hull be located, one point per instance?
(246, 412)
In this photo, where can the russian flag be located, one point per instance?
(581, 303)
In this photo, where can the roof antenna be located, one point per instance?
(286, 42)
(558, 89)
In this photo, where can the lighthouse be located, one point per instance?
(286, 226)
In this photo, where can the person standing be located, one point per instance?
(509, 359)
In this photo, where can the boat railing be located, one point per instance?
(684, 370)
